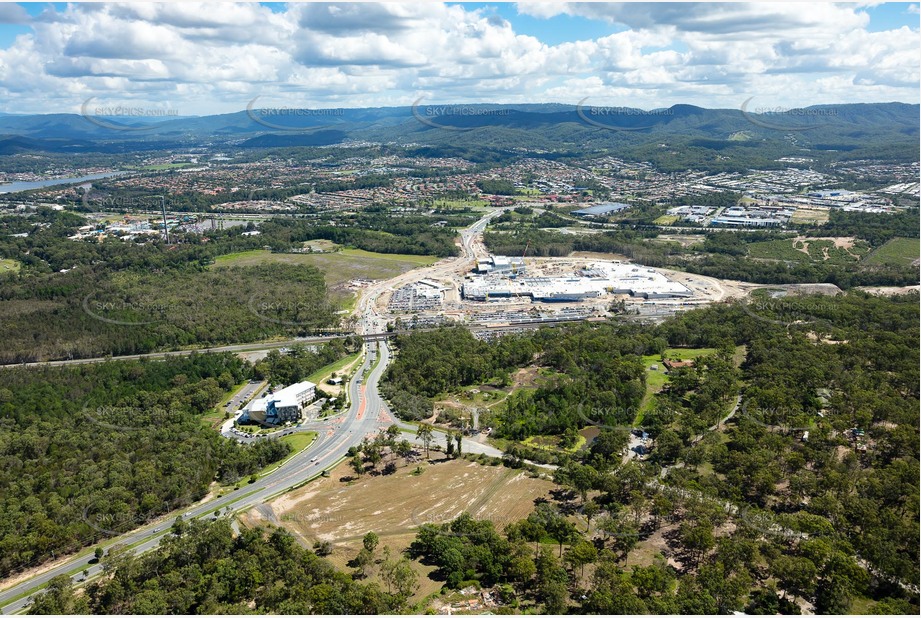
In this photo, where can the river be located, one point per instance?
(15, 187)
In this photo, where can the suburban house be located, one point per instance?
(674, 364)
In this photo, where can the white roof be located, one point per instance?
(293, 391)
(257, 405)
(284, 398)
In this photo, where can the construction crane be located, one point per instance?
(515, 266)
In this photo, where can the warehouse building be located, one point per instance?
(594, 282)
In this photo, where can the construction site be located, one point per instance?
(507, 291)
(595, 280)
(498, 290)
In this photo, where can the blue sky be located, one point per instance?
(216, 58)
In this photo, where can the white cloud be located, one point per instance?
(13, 14)
(216, 58)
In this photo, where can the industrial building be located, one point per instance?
(746, 221)
(501, 264)
(594, 282)
(281, 406)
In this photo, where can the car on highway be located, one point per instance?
(313, 460)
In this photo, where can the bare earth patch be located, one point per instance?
(342, 511)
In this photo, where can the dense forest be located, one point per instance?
(875, 228)
(94, 450)
(374, 229)
(46, 248)
(76, 299)
(299, 361)
(119, 298)
(204, 568)
(92, 311)
(757, 515)
(732, 510)
(433, 362)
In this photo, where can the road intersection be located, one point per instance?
(366, 416)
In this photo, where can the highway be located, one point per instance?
(366, 416)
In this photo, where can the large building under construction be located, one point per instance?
(597, 280)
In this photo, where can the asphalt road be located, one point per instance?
(337, 435)
(242, 347)
(366, 416)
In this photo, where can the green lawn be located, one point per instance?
(347, 261)
(8, 265)
(321, 375)
(656, 380)
(898, 251)
(242, 258)
(418, 260)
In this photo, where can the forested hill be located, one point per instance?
(892, 129)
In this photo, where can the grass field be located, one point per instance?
(782, 249)
(815, 216)
(460, 204)
(418, 260)
(666, 219)
(9, 266)
(321, 375)
(832, 251)
(551, 443)
(338, 268)
(685, 240)
(898, 251)
(340, 510)
(322, 245)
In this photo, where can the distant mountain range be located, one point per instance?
(555, 127)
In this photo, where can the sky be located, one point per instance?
(190, 59)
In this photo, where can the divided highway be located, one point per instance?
(336, 435)
(366, 416)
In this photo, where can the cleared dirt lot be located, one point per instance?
(342, 511)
